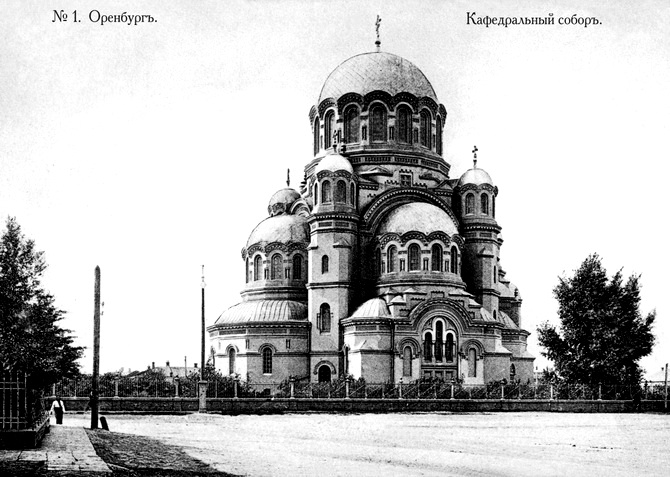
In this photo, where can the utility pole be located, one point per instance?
(96, 350)
(666, 387)
(202, 344)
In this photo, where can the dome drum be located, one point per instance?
(364, 97)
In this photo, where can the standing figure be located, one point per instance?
(58, 408)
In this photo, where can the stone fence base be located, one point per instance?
(151, 405)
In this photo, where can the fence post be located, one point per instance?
(202, 396)
(116, 387)
(400, 389)
(291, 383)
(502, 392)
(176, 388)
(452, 390)
(346, 387)
(600, 392)
(53, 389)
(235, 387)
(551, 392)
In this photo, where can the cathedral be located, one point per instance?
(381, 265)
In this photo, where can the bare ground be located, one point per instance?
(500, 444)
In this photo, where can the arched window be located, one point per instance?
(276, 267)
(426, 129)
(324, 373)
(495, 315)
(231, 361)
(378, 262)
(297, 267)
(352, 195)
(493, 206)
(351, 124)
(325, 192)
(454, 259)
(317, 131)
(485, 203)
(436, 258)
(316, 194)
(267, 361)
(378, 115)
(341, 192)
(512, 372)
(258, 267)
(438, 136)
(439, 344)
(404, 124)
(324, 264)
(428, 347)
(407, 361)
(495, 274)
(450, 347)
(472, 363)
(328, 124)
(391, 257)
(247, 272)
(323, 320)
(414, 255)
(469, 204)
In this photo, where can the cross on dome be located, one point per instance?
(377, 23)
(474, 151)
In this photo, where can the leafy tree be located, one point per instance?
(30, 338)
(602, 334)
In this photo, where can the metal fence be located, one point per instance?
(228, 387)
(21, 407)
(140, 386)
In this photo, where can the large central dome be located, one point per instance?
(369, 72)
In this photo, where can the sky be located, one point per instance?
(153, 149)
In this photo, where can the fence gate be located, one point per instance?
(13, 399)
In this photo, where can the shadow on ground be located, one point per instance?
(23, 468)
(131, 455)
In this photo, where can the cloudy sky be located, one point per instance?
(152, 149)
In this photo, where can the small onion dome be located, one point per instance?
(282, 229)
(376, 71)
(334, 162)
(419, 217)
(373, 308)
(263, 311)
(475, 176)
(282, 200)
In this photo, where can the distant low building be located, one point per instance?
(170, 372)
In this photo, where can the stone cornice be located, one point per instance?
(288, 247)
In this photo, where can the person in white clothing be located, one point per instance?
(58, 408)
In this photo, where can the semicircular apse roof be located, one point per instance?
(263, 311)
(419, 217)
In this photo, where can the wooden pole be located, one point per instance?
(96, 351)
(666, 386)
(202, 341)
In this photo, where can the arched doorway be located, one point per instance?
(324, 374)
